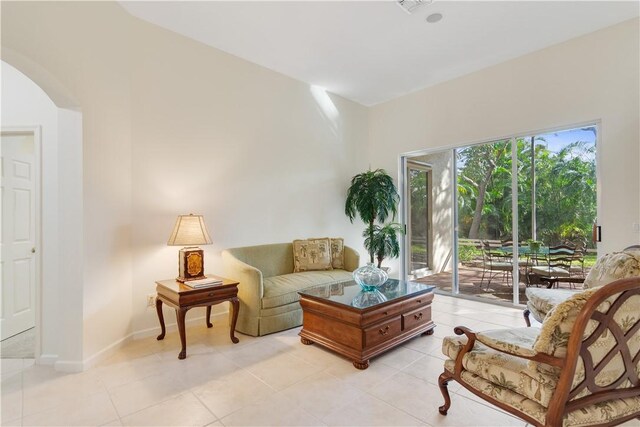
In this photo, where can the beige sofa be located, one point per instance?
(268, 289)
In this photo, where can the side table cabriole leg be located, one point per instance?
(235, 303)
(209, 324)
(160, 318)
(180, 315)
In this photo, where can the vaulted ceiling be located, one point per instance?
(374, 51)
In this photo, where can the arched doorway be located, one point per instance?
(31, 116)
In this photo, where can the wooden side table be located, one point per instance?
(183, 298)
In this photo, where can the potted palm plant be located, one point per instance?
(374, 198)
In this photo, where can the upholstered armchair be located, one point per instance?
(608, 268)
(579, 369)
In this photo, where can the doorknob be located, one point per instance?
(33, 250)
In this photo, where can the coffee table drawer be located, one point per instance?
(383, 331)
(418, 301)
(417, 317)
(381, 314)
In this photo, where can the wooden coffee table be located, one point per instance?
(330, 319)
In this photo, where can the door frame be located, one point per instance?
(36, 131)
(403, 158)
(426, 168)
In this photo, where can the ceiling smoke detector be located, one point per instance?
(410, 6)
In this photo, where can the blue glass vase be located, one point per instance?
(369, 277)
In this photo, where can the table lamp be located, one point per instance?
(189, 232)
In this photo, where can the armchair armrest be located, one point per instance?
(503, 341)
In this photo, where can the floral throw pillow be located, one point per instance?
(337, 253)
(611, 267)
(311, 255)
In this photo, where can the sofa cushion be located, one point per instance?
(613, 266)
(543, 300)
(282, 290)
(311, 255)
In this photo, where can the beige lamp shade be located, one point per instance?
(189, 231)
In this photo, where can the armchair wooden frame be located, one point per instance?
(561, 402)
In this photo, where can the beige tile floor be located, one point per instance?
(272, 380)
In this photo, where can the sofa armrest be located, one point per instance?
(251, 288)
(351, 259)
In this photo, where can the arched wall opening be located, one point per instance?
(32, 99)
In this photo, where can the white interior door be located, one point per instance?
(18, 261)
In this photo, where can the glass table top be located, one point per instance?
(344, 293)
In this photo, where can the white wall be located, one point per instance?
(93, 70)
(171, 126)
(591, 78)
(263, 157)
(24, 104)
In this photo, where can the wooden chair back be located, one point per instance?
(597, 321)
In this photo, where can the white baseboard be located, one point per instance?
(171, 327)
(47, 359)
(104, 353)
(77, 366)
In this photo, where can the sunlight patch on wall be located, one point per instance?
(326, 105)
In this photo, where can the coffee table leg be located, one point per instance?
(235, 303)
(209, 324)
(361, 365)
(430, 331)
(305, 341)
(160, 318)
(180, 315)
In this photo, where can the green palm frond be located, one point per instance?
(372, 196)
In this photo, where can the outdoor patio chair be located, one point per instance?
(580, 252)
(495, 262)
(579, 369)
(607, 269)
(557, 264)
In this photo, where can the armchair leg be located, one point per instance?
(526, 313)
(443, 382)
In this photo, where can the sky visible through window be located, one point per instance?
(555, 141)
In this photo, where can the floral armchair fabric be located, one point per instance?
(610, 267)
(580, 369)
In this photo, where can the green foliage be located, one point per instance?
(467, 253)
(565, 188)
(382, 241)
(373, 196)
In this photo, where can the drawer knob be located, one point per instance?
(419, 301)
(385, 313)
(384, 331)
(211, 294)
(417, 316)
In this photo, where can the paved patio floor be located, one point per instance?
(471, 284)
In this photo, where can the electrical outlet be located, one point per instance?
(151, 300)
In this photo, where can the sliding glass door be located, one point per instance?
(485, 214)
(474, 213)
